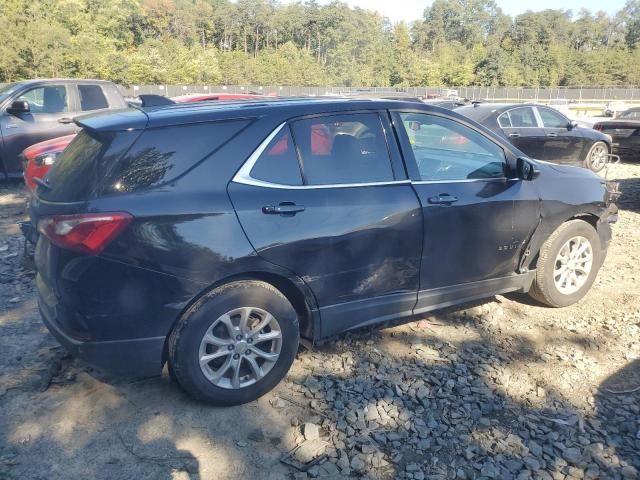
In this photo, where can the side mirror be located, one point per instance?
(572, 125)
(526, 169)
(18, 107)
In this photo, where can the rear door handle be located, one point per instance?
(442, 199)
(514, 135)
(552, 134)
(65, 120)
(285, 209)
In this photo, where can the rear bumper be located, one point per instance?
(140, 357)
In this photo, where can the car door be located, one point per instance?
(327, 198)
(477, 220)
(563, 142)
(49, 117)
(520, 125)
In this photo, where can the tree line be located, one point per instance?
(264, 42)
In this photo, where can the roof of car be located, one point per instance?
(58, 80)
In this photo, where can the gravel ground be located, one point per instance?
(502, 389)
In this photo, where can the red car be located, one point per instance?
(38, 158)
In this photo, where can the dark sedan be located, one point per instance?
(625, 133)
(543, 133)
(214, 236)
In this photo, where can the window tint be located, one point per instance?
(92, 97)
(552, 119)
(341, 149)
(162, 154)
(503, 120)
(631, 114)
(447, 150)
(279, 162)
(47, 99)
(522, 117)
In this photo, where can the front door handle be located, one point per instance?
(442, 199)
(514, 135)
(552, 134)
(285, 209)
(65, 120)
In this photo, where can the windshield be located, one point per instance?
(7, 90)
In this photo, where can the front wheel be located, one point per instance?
(567, 265)
(597, 157)
(234, 344)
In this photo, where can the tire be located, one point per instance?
(593, 161)
(224, 309)
(545, 289)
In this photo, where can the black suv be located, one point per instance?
(214, 236)
(32, 111)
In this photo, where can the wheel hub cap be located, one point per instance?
(240, 347)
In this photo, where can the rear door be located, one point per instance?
(563, 143)
(327, 198)
(472, 239)
(520, 125)
(49, 104)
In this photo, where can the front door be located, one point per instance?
(520, 126)
(563, 143)
(48, 105)
(471, 239)
(327, 198)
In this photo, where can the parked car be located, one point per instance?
(36, 110)
(625, 133)
(613, 109)
(543, 133)
(213, 238)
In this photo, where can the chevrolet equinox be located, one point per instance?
(213, 237)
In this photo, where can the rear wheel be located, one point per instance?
(235, 344)
(568, 264)
(597, 157)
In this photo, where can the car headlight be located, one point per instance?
(46, 159)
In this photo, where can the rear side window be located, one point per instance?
(91, 98)
(343, 149)
(162, 154)
(279, 162)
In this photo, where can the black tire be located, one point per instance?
(588, 162)
(184, 341)
(544, 288)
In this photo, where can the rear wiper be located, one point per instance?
(41, 182)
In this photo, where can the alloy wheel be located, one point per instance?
(573, 265)
(240, 347)
(598, 156)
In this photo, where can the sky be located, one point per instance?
(409, 10)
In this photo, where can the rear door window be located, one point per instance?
(92, 98)
(343, 149)
(279, 163)
(522, 117)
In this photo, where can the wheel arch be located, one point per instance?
(590, 218)
(298, 294)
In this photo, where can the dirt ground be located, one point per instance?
(503, 388)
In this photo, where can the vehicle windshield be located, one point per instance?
(8, 90)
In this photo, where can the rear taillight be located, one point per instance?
(87, 233)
